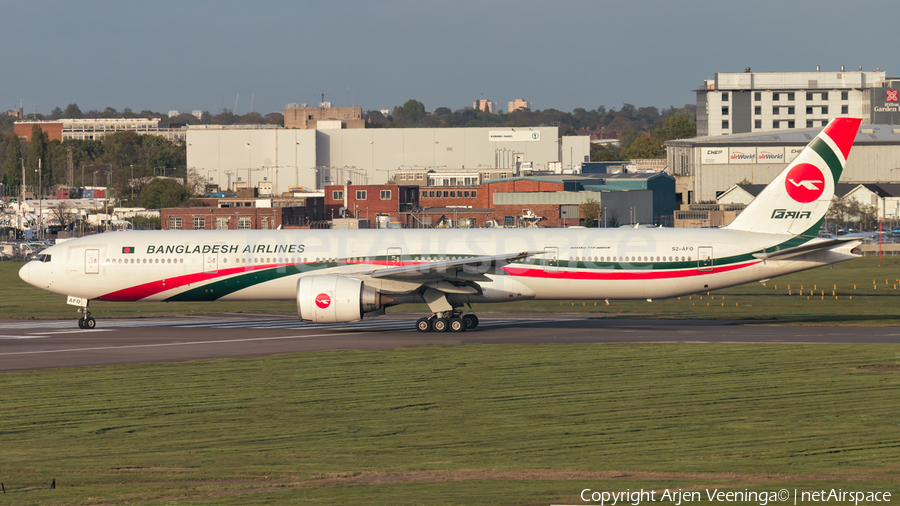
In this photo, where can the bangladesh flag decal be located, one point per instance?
(127, 250)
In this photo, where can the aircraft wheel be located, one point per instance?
(471, 321)
(457, 324)
(423, 325)
(81, 323)
(439, 325)
(90, 323)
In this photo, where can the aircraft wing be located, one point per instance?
(804, 248)
(471, 268)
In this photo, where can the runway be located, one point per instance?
(60, 343)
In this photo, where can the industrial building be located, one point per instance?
(544, 200)
(245, 156)
(706, 166)
(96, 129)
(734, 103)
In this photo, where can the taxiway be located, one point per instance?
(60, 343)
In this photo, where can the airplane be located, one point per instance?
(338, 276)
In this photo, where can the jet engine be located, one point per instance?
(334, 299)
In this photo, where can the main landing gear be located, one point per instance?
(447, 321)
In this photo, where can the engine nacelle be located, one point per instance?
(334, 299)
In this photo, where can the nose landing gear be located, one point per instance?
(85, 322)
(447, 321)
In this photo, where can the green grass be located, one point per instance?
(866, 291)
(477, 424)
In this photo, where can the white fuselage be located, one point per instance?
(620, 263)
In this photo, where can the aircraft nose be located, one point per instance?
(25, 273)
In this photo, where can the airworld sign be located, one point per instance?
(722, 156)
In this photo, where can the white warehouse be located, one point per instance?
(235, 157)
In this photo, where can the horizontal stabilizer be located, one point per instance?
(805, 248)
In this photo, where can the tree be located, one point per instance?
(676, 127)
(375, 119)
(64, 212)
(12, 168)
(195, 182)
(224, 118)
(627, 136)
(410, 113)
(37, 150)
(275, 118)
(160, 152)
(618, 124)
(644, 147)
(837, 211)
(72, 112)
(122, 148)
(163, 193)
(7, 123)
(252, 118)
(604, 153)
(145, 223)
(590, 211)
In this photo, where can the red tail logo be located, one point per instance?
(323, 301)
(805, 183)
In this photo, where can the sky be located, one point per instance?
(211, 55)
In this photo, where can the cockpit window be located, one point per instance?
(42, 258)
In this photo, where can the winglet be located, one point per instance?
(843, 132)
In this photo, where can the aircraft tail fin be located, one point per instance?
(797, 200)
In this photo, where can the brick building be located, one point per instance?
(52, 129)
(312, 118)
(214, 218)
(247, 214)
(369, 201)
(533, 201)
(465, 196)
(555, 200)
